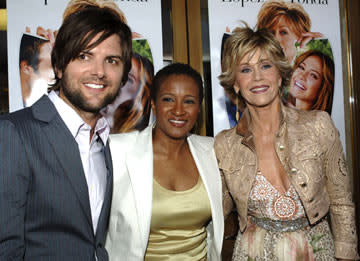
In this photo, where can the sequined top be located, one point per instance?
(265, 201)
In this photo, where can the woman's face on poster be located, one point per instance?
(306, 80)
(127, 92)
(286, 37)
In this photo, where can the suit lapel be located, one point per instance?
(66, 150)
(108, 160)
(139, 163)
(105, 211)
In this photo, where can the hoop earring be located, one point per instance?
(237, 115)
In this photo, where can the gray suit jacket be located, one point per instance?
(44, 203)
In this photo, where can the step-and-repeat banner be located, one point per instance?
(32, 27)
(312, 46)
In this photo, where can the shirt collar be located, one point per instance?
(74, 122)
(102, 129)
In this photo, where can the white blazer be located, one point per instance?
(130, 216)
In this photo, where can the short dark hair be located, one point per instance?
(77, 31)
(30, 50)
(176, 69)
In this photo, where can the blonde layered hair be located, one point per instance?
(77, 5)
(294, 14)
(242, 42)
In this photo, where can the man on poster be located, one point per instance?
(35, 68)
(55, 163)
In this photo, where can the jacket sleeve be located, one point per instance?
(220, 152)
(14, 180)
(342, 210)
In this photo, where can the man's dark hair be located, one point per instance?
(30, 50)
(176, 69)
(80, 28)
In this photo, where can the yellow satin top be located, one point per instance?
(178, 224)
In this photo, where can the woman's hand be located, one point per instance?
(45, 33)
(135, 35)
(307, 37)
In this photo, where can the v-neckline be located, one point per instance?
(285, 192)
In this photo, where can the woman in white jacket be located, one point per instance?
(166, 201)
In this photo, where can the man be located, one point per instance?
(55, 169)
(35, 68)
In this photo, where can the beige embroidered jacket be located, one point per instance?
(310, 151)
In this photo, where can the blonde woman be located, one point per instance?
(282, 168)
(290, 24)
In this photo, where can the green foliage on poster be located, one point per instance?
(141, 46)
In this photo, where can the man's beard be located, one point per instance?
(76, 98)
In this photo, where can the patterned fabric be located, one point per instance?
(257, 243)
(309, 149)
(266, 202)
(308, 244)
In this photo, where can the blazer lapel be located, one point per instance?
(139, 163)
(207, 168)
(66, 150)
(206, 163)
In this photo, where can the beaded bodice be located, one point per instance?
(265, 201)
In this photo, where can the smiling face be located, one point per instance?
(286, 37)
(92, 79)
(306, 80)
(258, 80)
(127, 92)
(176, 107)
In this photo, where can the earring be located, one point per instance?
(237, 115)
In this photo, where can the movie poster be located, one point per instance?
(32, 29)
(312, 47)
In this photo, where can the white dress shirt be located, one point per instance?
(91, 152)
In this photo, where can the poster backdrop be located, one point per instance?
(32, 28)
(321, 55)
